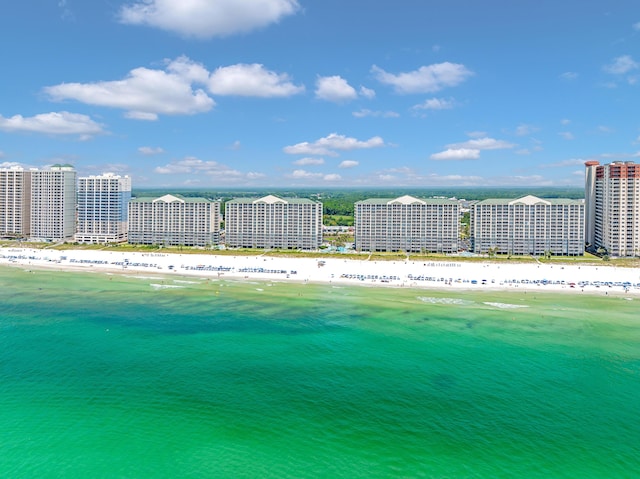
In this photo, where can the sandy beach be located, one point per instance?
(415, 274)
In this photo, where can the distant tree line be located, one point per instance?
(339, 202)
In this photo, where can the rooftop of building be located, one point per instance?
(103, 176)
(170, 199)
(407, 200)
(12, 168)
(529, 200)
(613, 163)
(271, 199)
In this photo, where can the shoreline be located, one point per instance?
(425, 275)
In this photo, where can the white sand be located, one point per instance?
(416, 274)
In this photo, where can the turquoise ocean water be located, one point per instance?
(105, 376)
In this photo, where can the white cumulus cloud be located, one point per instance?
(453, 180)
(328, 145)
(386, 178)
(196, 166)
(298, 174)
(367, 92)
(348, 164)
(144, 93)
(476, 134)
(363, 113)
(207, 18)
(54, 123)
(621, 65)
(150, 151)
(435, 104)
(332, 177)
(567, 135)
(565, 163)
(65, 12)
(524, 130)
(482, 144)
(10, 164)
(568, 76)
(335, 89)
(454, 154)
(251, 80)
(426, 79)
(308, 161)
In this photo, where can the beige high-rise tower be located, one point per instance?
(612, 194)
(15, 202)
(53, 203)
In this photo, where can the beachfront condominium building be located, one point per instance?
(102, 208)
(173, 220)
(273, 222)
(612, 194)
(15, 201)
(528, 225)
(590, 203)
(407, 224)
(53, 203)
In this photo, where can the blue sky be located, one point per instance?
(327, 93)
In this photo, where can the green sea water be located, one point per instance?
(107, 376)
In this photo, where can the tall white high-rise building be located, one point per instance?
(15, 201)
(173, 220)
(273, 222)
(612, 194)
(407, 224)
(528, 225)
(102, 208)
(590, 203)
(53, 203)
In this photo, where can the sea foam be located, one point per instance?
(165, 286)
(505, 305)
(455, 301)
